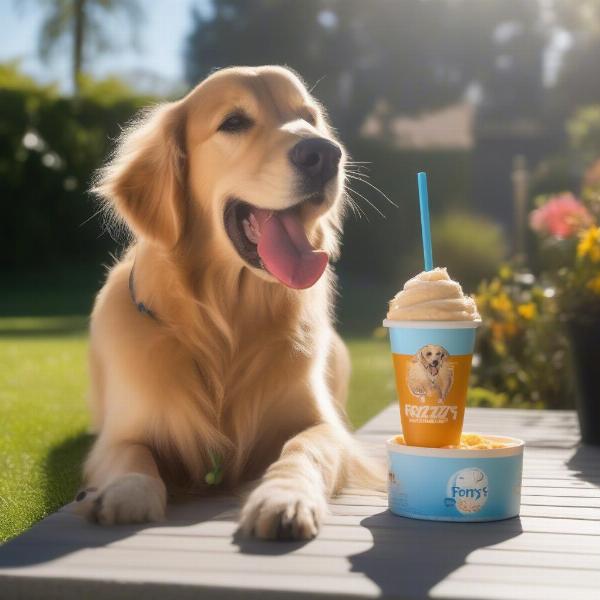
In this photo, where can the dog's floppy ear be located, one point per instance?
(145, 180)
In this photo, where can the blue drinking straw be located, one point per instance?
(425, 227)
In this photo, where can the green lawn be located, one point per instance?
(43, 416)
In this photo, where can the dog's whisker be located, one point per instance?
(349, 190)
(355, 207)
(93, 216)
(356, 171)
(311, 90)
(353, 176)
(366, 200)
(358, 204)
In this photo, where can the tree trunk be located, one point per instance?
(78, 36)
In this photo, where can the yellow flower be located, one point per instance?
(501, 303)
(481, 301)
(505, 272)
(503, 331)
(589, 244)
(528, 311)
(594, 284)
(494, 286)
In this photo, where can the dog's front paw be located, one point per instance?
(275, 510)
(133, 498)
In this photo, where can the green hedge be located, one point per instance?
(49, 149)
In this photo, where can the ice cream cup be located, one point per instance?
(453, 484)
(432, 363)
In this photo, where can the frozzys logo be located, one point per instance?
(467, 490)
(430, 414)
(430, 373)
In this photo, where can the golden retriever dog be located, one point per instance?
(429, 373)
(213, 355)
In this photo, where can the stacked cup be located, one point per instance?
(432, 327)
(432, 362)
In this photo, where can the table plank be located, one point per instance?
(552, 551)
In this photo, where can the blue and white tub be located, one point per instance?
(447, 484)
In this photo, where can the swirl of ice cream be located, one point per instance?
(432, 296)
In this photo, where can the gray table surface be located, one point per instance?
(551, 552)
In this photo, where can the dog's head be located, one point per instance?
(247, 164)
(432, 358)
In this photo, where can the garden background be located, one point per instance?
(498, 101)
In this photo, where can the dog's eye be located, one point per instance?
(429, 354)
(236, 123)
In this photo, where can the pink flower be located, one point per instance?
(561, 217)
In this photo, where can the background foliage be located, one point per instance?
(51, 144)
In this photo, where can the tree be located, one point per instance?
(82, 21)
(409, 56)
(578, 82)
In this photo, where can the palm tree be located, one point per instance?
(82, 21)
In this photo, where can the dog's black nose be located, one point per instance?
(317, 159)
(435, 363)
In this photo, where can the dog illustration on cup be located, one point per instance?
(430, 373)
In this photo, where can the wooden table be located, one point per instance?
(551, 552)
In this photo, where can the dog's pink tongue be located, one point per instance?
(285, 250)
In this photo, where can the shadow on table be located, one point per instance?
(64, 532)
(586, 461)
(409, 557)
(250, 545)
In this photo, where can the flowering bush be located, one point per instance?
(561, 216)
(520, 356)
(522, 348)
(569, 229)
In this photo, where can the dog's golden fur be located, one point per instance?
(236, 365)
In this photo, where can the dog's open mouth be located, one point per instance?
(275, 240)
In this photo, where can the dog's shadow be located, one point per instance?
(64, 532)
(67, 532)
(250, 545)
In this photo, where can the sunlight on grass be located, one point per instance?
(44, 417)
(372, 383)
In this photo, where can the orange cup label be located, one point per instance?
(432, 390)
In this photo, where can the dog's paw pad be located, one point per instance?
(277, 512)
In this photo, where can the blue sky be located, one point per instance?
(156, 65)
(161, 38)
